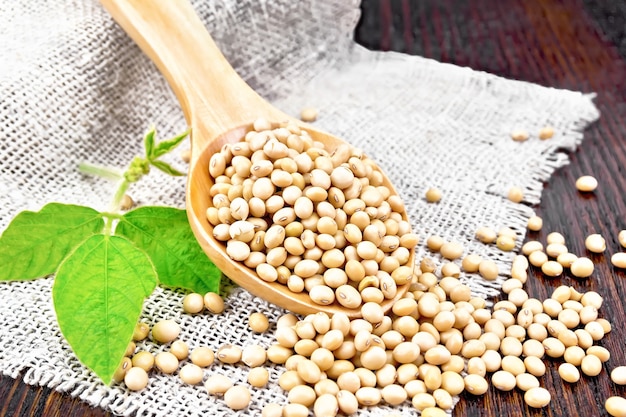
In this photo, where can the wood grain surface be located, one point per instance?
(573, 44)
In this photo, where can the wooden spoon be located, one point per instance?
(220, 108)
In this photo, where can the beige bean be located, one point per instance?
(619, 260)
(616, 406)
(423, 400)
(347, 402)
(348, 296)
(272, 410)
(513, 364)
(143, 360)
(555, 237)
(217, 384)
(488, 270)
(326, 405)
(193, 303)
(476, 366)
(535, 223)
(531, 246)
(179, 349)
(229, 354)
(202, 356)
(476, 384)
(452, 382)
(586, 183)
(254, 356)
(537, 397)
(582, 267)
(566, 259)
(166, 362)
(394, 394)
(552, 268)
(471, 263)
(368, 396)
(373, 358)
(526, 381)
(618, 375)
(591, 365)
(451, 250)
(537, 259)
(237, 397)
(503, 380)
(486, 235)
(535, 366)
(165, 331)
(569, 373)
(433, 195)
(191, 374)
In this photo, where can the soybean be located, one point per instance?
(582, 267)
(535, 223)
(476, 384)
(619, 260)
(218, 384)
(202, 356)
(237, 397)
(503, 380)
(618, 375)
(537, 397)
(616, 406)
(166, 362)
(213, 302)
(193, 303)
(136, 379)
(179, 349)
(141, 331)
(591, 365)
(595, 243)
(191, 374)
(569, 373)
(258, 322)
(165, 331)
(433, 195)
(586, 183)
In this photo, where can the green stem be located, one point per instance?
(99, 170)
(108, 226)
(119, 194)
(112, 216)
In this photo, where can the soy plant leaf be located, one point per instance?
(164, 233)
(148, 142)
(98, 295)
(167, 168)
(167, 145)
(35, 243)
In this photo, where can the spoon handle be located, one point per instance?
(210, 92)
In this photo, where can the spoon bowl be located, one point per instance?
(220, 108)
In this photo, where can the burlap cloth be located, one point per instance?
(74, 87)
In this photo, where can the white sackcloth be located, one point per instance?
(74, 87)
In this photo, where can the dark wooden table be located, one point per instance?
(573, 44)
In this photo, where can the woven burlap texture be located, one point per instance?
(74, 87)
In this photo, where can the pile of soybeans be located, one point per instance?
(314, 219)
(322, 221)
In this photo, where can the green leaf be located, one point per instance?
(167, 168)
(98, 295)
(164, 233)
(167, 145)
(35, 243)
(148, 142)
